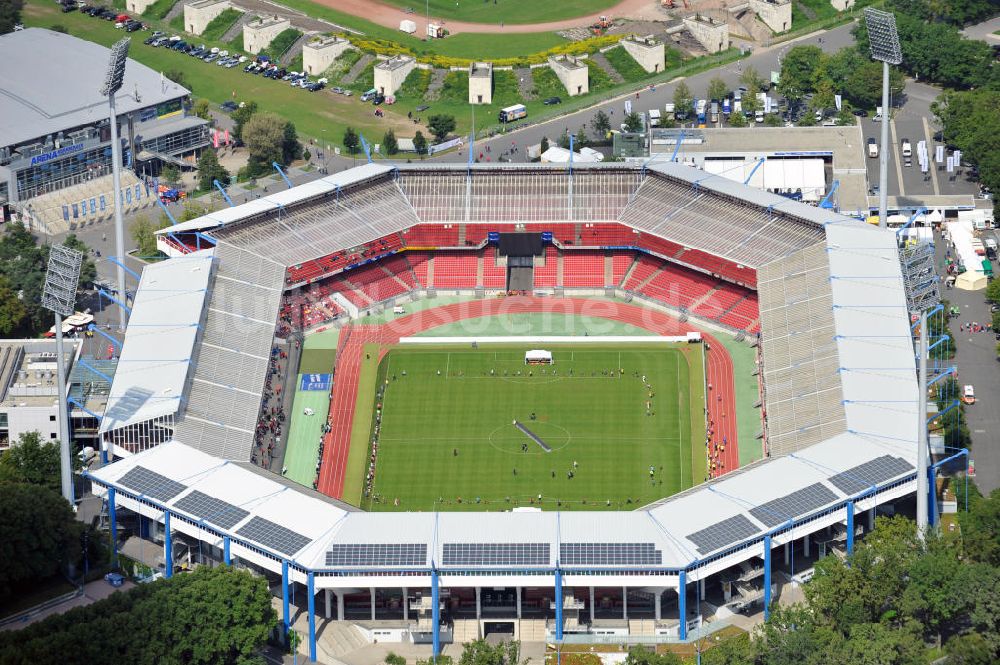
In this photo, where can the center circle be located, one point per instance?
(509, 439)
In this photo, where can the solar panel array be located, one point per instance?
(496, 554)
(151, 484)
(377, 554)
(273, 536)
(212, 510)
(797, 503)
(610, 554)
(870, 473)
(722, 534)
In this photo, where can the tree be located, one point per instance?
(641, 655)
(209, 170)
(177, 76)
(32, 462)
(41, 535)
(980, 528)
(389, 143)
(752, 79)
(264, 136)
(392, 658)
(993, 291)
(683, 100)
(563, 140)
(600, 125)
(13, 313)
(580, 140)
(737, 120)
(544, 145)
(481, 652)
(144, 237)
(291, 147)
(969, 649)
(241, 116)
(351, 140)
(634, 123)
(202, 109)
(717, 89)
(10, 15)
(420, 144)
(170, 174)
(211, 615)
(773, 120)
(441, 125)
(750, 103)
(800, 69)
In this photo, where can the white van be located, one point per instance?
(968, 394)
(872, 148)
(907, 148)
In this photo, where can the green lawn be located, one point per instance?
(508, 11)
(465, 45)
(447, 434)
(159, 9)
(218, 25)
(280, 44)
(305, 432)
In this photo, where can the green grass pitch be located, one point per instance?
(447, 439)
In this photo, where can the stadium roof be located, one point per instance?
(159, 341)
(840, 390)
(46, 94)
(673, 534)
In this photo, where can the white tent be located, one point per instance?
(971, 280)
(537, 356)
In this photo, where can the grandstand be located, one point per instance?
(809, 288)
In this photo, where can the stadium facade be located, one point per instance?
(55, 131)
(826, 308)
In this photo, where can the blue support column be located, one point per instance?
(113, 515)
(312, 618)
(932, 496)
(435, 615)
(767, 577)
(850, 527)
(559, 606)
(168, 547)
(284, 598)
(225, 551)
(682, 614)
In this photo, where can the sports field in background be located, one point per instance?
(447, 439)
(508, 11)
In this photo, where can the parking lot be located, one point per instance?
(913, 120)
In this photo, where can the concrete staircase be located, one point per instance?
(629, 271)
(46, 211)
(294, 49)
(358, 67)
(237, 28)
(602, 62)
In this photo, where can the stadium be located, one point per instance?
(546, 483)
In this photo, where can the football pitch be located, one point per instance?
(601, 428)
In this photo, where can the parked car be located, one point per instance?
(552, 100)
(337, 89)
(861, 113)
(422, 108)
(229, 107)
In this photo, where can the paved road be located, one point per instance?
(976, 359)
(984, 31)
(763, 59)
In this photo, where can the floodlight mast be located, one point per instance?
(923, 452)
(883, 43)
(112, 84)
(59, 296)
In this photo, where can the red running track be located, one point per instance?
(719, 367)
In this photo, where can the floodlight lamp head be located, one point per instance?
(883, 39)
(116, 67)
(62, 276)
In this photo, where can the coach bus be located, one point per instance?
(512, 113)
